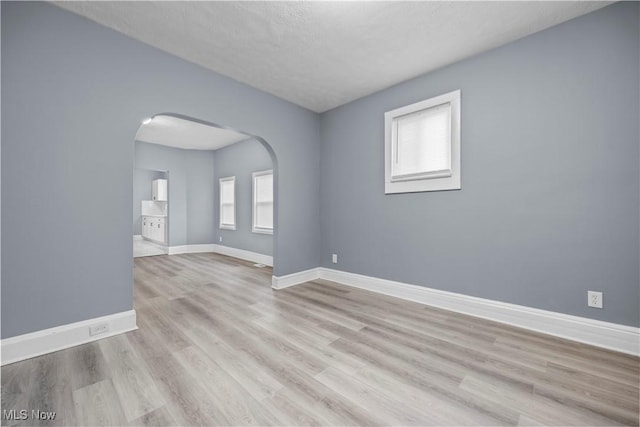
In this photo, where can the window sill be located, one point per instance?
(420, 176)
(422, 185)
(261, 231)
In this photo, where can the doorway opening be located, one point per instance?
(221, 195)
(150, 212)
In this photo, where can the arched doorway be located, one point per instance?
(175, 131)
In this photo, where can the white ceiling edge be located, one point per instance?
(186, 134)
(321, 55)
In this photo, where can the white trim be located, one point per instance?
(224, 250)
(254, 207)
(37, 343)
(613, 336)
(445, 180)
(281, 282)
(262, 230)
(246, 255)
(222, 225)
(137, 237)
(191, 249)
(622, 338)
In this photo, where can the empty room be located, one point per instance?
(320, 213)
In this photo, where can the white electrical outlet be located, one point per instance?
(334, 258)
(594, 299)
(220, 239)
(98, 329)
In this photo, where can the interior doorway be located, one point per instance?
(150, 212)
(216, 199)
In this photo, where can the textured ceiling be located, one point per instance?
(324, 54)
(187, 134)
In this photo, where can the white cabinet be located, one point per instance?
(154, 228)
(159, 190)
(146, 227)
(158, 232)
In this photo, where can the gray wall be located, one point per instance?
(66, 182)
(549, 205)
(550, 179)
(191, 190)
(241, 160)
(201, 223)
(142, 191)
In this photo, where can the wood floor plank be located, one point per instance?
(289, 413)
(428, 381)
(231, 399)
(548, 411)
(185, 400)
(51, 390)
(444, 411)
(16, 382)
(382, 405)
(320, 349)
(217, 346)
(89, 365)
(258, 383)
(131, 379)
(157, 417)
(244, 334)
(98, 405)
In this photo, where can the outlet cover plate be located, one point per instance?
(98, 329)
(594, 299)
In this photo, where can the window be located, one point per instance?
(228, 203)
(263, 202)
(422, 146)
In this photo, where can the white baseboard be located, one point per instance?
(37, 343)
(622, 338)
(224, 250)
(246, 255)
(293, 279)
(191, 249)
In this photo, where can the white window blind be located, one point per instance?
(228, 203)
(263, 202)
(422, 144)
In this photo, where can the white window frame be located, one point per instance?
(254, 228)
(431, 181)
(222, 225)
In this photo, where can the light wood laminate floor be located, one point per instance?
(217, 346)
(143, 247)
